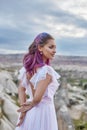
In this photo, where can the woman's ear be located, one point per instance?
(40, 48)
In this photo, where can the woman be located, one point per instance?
(39, 79)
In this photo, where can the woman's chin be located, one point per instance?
(51, 58)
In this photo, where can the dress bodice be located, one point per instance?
(40, 75)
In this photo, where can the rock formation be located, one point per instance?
(8, 107)
(61, 103)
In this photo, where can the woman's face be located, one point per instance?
(48, 50)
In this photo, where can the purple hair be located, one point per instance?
(33, 58)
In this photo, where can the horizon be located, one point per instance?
(55, 55)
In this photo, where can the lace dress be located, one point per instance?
(43, 115)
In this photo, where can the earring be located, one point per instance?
(41, 53)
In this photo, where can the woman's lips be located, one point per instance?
(53, 55)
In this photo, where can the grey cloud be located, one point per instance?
(61, 16)
(24, 15)
(75, 46)
(24, 12)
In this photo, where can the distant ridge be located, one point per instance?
(70, 60)
(59, 59)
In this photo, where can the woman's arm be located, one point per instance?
(21, 93)
(39, 92)
(41, 88)
(22, 99)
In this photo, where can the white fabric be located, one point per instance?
(40, 75)
(22, 72)
(42, 116)
(22, 77)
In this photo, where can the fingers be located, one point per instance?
(20, 122)
(26, 103)
(21, 119)
(24, 109)
(21, 109)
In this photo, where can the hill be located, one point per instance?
(10, 59)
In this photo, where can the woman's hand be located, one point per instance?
(21, 119)
(25, 107)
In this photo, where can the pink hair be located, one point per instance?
(33, 58)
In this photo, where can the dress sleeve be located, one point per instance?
(22, 76)
(54, 74)
(42, 74)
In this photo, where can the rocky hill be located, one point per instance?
(8, 106)
(64, 62)
(59, 59)
(70, 99)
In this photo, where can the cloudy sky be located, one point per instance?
(22, 20)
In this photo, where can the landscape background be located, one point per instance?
(20, 22)
(73, 71)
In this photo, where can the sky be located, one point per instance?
(22, 20)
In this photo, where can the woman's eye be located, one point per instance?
(50, 47)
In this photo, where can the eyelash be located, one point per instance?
(51, 47)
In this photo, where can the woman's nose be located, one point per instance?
(54, 51)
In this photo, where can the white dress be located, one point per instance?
(43, 115)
